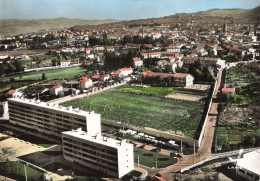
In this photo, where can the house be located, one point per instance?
(13, 93)
(98, 48)
(88, 50)
(177, 79)
(56, 89)
(110, 49)
(95, 77)
(3, 108)
(64, 63)
(229, 92)
(104, 77)
(137, 62)
(147, 46)
(173, 49)
(84, 83)
(248, 166)
(125, 71)
(206, 61)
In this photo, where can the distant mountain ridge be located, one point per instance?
(17, 26)
(236, 13)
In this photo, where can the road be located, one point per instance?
(205, 149)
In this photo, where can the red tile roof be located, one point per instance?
(125, 69)
(56, 86)
(95, 76)
(136, 59)
(11, 92)
(148, 45)
(159, 178)
(228, 89)
(1, 103)
(105, 75)
(83, 79)
(88, 48)
(163, 75)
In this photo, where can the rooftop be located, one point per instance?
(250, 161)
(37, 103)
(103, 140)
(228, 89)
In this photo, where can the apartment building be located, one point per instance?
(108, 156)
(51, 119)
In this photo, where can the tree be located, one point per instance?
(44, 76)
(61, 94)
(249, 141)
(12, 79)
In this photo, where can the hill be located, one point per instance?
(15, 26)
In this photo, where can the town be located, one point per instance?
(155, 99)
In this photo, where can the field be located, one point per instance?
(50, 74)
(240, 74)
(156, 91)
(148, 158)
(147, 111)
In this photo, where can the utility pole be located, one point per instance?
(138, 161)
(25, 172)
(181, 146)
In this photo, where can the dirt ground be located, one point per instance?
(16, 147)
(187, 97)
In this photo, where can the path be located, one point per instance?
(205, 149)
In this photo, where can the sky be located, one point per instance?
(111, 9)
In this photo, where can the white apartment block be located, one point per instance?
(109, 156)
(51, 119)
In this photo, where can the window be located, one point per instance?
(250, 174)
(242, 171)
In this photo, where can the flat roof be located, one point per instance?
(52, 106)
(250, 162)
(102, 140)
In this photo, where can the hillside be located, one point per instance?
(14, 26)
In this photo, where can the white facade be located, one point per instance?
(104, 78)
(125, 71)
(56, 89)
(248, 166)
(85, 83)
(108, 156)
(51, 119)
(64, 63)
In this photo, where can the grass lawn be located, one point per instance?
(148, 158)
(50, 74)
(14, 85)
(17, 171)
(157, 91)
(147, 111)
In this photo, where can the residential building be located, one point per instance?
(178, 79)
(173, 49)
(104, 77)
(206, 61)
(248, 166)
(51, 119)
(56, 89)
(95, 77)
(125, 71)
(13, 93)
(64, 63)
(84, 83)
(108, 156)
(137, 62)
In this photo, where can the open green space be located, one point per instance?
(20, 171)
(14, 85)
(65, 73)
(142, 110)
(156, 91)
(240, 74)
(235, 137)
(148, 158)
